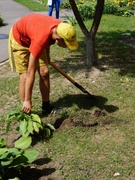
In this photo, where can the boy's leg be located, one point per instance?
(44, 83)
(18, 57)
(44, 80)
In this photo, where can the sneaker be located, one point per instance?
(52, 111)
(47, 110)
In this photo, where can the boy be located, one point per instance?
(29, 44)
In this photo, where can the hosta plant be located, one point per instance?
(29, 124)
(16, 157)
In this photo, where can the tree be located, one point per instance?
(91, 57)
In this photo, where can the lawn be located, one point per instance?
(95, 139)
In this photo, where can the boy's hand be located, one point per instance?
(27, 105)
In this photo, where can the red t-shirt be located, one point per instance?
(35, 32)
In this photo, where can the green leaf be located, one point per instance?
(36, 118)
(2, 142)
(35, 127)
(51, 127)
(23, 142)
(30, 126)
(16, 178)
(19, 161)
(8, 126)
(47, 132)
(3, 150)
(10, 153)
(31, 155)
(23, 127)
(14, 151)
(5, 155)
(37, 124)
(17, 114)
(6, 162)
(12, 114)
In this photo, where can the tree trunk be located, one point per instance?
(90, 52)
(91, 57)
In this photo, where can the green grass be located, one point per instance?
(33, 5)
(93, 152)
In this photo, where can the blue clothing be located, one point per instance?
(55, 3)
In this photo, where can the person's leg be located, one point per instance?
(44, 83)
(18, 58)
(50, 11)
(57, 6)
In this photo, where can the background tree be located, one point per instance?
(91, 57)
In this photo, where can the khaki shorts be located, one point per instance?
(19, 56)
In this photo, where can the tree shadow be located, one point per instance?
(115, 51)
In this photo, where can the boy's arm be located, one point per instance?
(32, 67)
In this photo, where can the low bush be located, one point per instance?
(87, 9)
(110, 8)
(65, 5)
(1, 21)
(124, 12)
(86, 12)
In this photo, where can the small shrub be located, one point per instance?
(124, 13)
(44, 2)
(117, 9)
(110, 8)
(1, 21)
(71, 20)
(65, 5)
(86, 12)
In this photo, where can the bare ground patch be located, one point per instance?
(5, 70)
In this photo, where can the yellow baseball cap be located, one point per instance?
(68, 33)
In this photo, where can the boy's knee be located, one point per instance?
(44, 72)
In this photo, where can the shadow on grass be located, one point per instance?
(114, 52)
(117, 52)
(85, 102)
(31, 173)
(35, 174)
